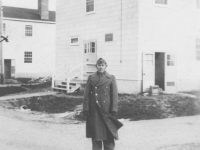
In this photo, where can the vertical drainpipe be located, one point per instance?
(121, 35)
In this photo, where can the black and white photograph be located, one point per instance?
(99, 74)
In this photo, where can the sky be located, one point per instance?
(32, 4)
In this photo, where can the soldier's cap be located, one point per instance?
(101, 61)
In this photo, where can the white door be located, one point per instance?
(148, 73)
(90, 50)
(170, 72)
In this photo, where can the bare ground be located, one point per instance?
(33, 131)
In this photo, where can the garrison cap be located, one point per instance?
(101, 61)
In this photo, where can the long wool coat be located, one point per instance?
(100, 98)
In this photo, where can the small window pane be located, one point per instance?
(93, 50)
(90, 47)
(28, 30)
(27, 57)
(148, 56)
(89, 5)
(74, 40)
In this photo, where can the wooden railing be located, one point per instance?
(60, 71)
(64, 72)
(75, 72)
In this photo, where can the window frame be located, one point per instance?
(161, 5)
(90, 12)
(26, 56)
(26, 31)
(74, 37)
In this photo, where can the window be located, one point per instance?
(148, 59)
(198, 49)
(109, 37)
(27, 57)
(4, 29)
(28, 30)
(90, 47)
(162, 2)
(89, 6)
(74, 41)
(170, 60)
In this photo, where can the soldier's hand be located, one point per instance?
(86, 113)
(113, 113)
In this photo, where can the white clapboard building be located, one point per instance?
(145, 43)
(31, 35)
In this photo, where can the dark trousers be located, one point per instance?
(108, 144)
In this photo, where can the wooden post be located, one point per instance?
(1, 50)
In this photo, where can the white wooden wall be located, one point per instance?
(72, 21)
(41, 44)
(172, 29)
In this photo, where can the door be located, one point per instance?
(148, 74)
(160, 69)
(90, 50)
(170, 72)
(7, 68)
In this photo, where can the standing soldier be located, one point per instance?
(100, 106)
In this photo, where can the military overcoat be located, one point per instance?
(100, 98)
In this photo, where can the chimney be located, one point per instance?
(43, 7)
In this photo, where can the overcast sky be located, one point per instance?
(32, 4)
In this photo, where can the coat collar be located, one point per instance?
(100, 80)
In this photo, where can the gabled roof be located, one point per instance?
(24, 13)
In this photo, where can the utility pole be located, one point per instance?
(1, 47)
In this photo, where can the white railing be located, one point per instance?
(65, 72)
(60, 71)
(75, 72)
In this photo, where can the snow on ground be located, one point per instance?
(20, 131)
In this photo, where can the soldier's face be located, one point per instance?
(101, 67)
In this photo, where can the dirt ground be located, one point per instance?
(164, 122)
(33, 131)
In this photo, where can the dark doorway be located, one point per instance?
(160, 70)
(7, 68)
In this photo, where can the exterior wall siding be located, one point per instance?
(173, 28)
(41, 44)
(121, 56)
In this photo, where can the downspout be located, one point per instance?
(121, 34)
